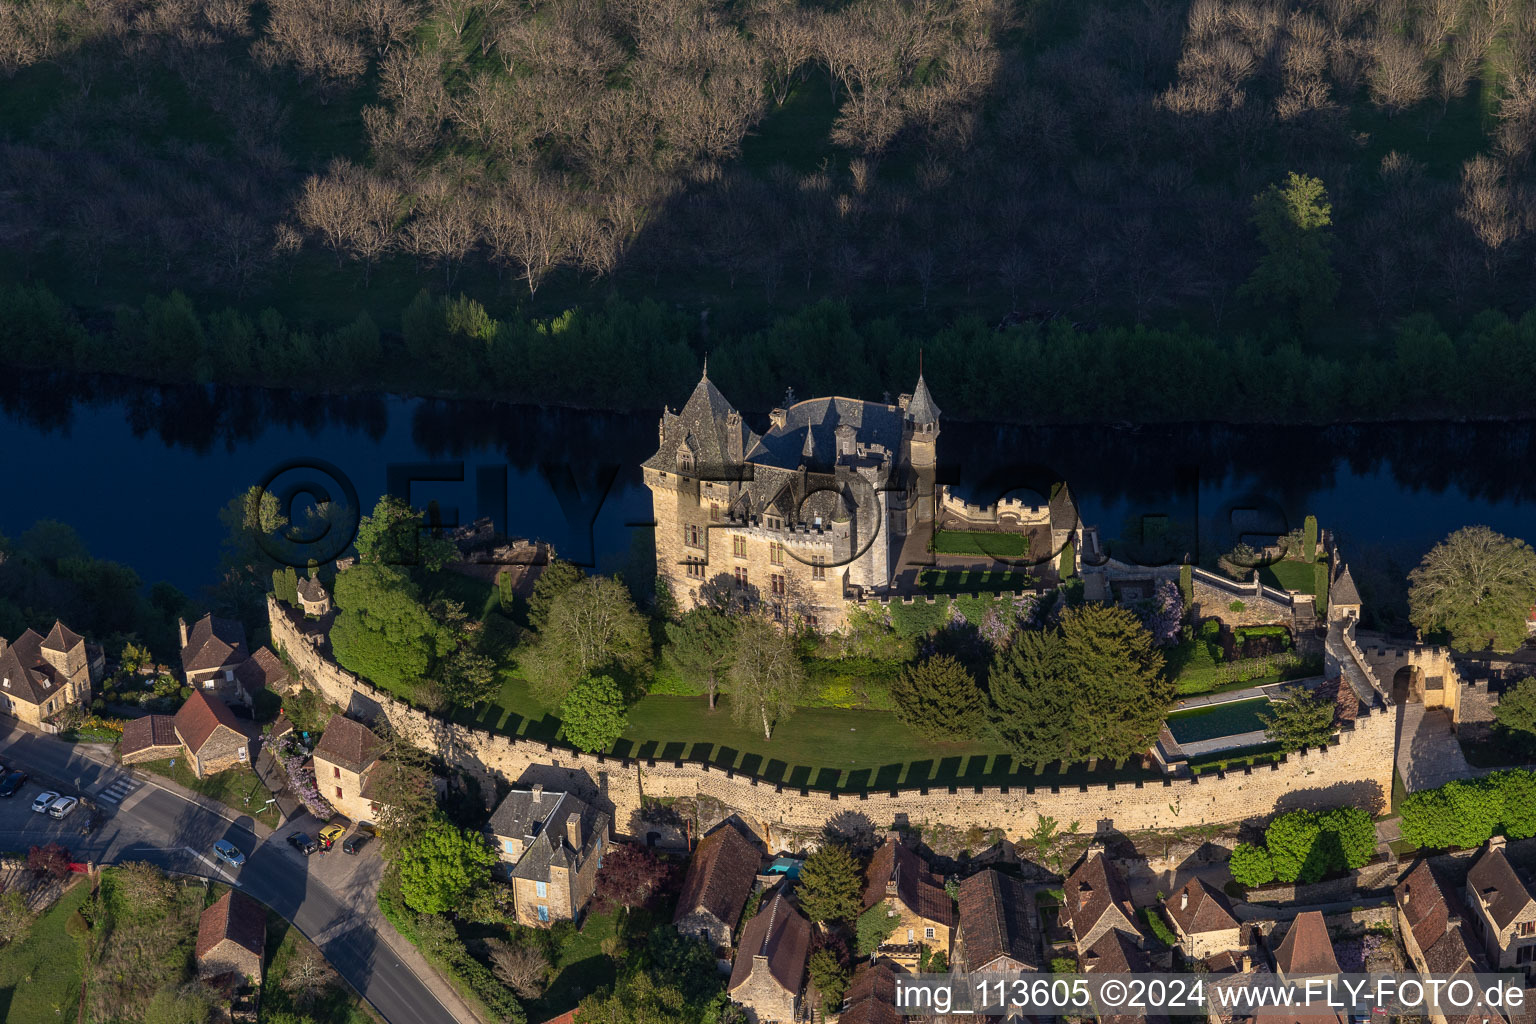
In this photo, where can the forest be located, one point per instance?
(1282, 181)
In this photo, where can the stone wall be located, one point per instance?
(1009, 511)
(1262, 606)
(1357, 769)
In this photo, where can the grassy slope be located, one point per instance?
(230, 788)
(40, 973)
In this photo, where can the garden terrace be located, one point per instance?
(987, 543)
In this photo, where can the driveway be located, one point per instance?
(150, 823)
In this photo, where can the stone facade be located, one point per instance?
(1504, 909)
(1356, 769)
(347, 751)
(551, 844)
(41, 676)
(211, 735)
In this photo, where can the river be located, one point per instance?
(142, 471)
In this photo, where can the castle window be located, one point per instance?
(776, 581)
(810, 620)
(695, 568)
(774, 522)
(776, 553)
(818, 567)
(739, 547)
(714, 512)
(741, 577)
(685, 462)
(691, 536)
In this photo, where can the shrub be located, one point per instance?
(1466, 812)
(1237, 606)
(1157, 926)
(1250, 865)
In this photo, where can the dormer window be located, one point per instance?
(6, 682)
(685, 462)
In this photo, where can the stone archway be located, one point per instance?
(1408, 685)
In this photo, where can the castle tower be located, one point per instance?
(921, 438)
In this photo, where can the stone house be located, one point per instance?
(216, 659)
(40, 676)
(551, 846)
(1118, 952)
(1502, 904)
(925, 916)
(150, 738)
(1306, 951)
(1436, 936)
(1096, 900)
(211, 735)
(769, 973)
(343, 760)
(871, 996)
(231, 939)
(795, 518)
(1203, 921)
(996, 929)
(720, 877)
(312, 597)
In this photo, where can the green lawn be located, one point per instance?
(580, 968)
(1290, 575)
(965, 581)
(40, 972)
(824, 748)
(980, 542)
(231, 788)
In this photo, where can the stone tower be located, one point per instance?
(921, 438)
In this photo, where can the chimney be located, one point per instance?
(182, 625)
(1184, 899)
(538, 791)
(573, 831)
(778, 417)
(1496, 842)
(734, 441)
(3, 644)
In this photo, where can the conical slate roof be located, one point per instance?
(922, 410)
(703, 425)
(1343, 591)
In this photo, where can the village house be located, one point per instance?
(1504, 909)
(231, 940)
(720, 877)
(996, 929)
(216, 659)
(871, 996)
(40, 676)
(1437, 938)
(1203, 921)
(211, 735)
(1306, 951)
(312, 597)
(1096, 900)
(924, 913)
(343, 761)
(1116, 951)
(150, 738)
(769, 973)
(551, 845)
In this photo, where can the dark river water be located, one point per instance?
(142, 471)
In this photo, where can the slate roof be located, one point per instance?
(1343, 590)
(349, 744)
(702, 426)
(543, 823)
(212, 643)
(31, 678)
(200, 716)
(149, 731)
(997, 919)
(1063, 509)
(1306, 948)
(784, 447)
(1206, 910)
(720, 876)
(922, 409)
(233, 916)
(780, 934)
(1502, 889)
(871, 996)
(261, 671)
(915, 884)
(1092, 889)
(311, 589)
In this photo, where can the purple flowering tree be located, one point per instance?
(1164, 614)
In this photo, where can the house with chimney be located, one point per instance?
(997, 925)
(1096, 901)
(344, 760)
(216, 660)
(551, 845)
(898, 879)
(871, 996)
(42, 675)
(1203, 921)
(1437, 937)
(720, 877)
(211, 735)
(1500, 899)
(768, 978)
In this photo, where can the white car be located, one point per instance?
(43, 800)
(62, 807)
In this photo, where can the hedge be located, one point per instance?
(1468, 812)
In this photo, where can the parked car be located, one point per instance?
(329, 834)
(355, 842)
(13, 782)
(44, 798)
(229, 853)
(63, 807)
(302, 842)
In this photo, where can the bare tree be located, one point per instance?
(444, 227)
(522, 968)
(1399, 76)
(308, 975)
(527, 226)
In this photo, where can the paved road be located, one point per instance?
(152, 824)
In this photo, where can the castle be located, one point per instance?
(801, 519)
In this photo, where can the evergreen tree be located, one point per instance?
(1296, 271)
(1116, 674)
(700, 644)
(1031, 701)
(831, 885)
(1299, 719)
(939, 698)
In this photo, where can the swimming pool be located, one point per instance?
(1230, 719)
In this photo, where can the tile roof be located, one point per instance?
(1306, 948)
(1501, 888)
(213, 643)
(1204, 909)
(233, 916)
(997, 919)
(720, 876)
(915, 884)
(200, 716)
(62, 638)
(28, 675)
(871, 996)
(261, 671)
(348, 743)
(1115, 952)
(1093, 889)
(149, 731)
(781, 936)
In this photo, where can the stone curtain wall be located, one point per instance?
(1355, 770)
(1262, 606)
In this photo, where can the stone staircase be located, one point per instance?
(1428, 754)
